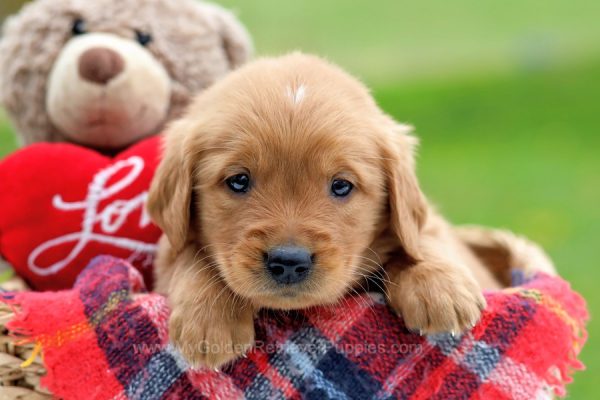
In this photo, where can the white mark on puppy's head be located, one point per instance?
(296, 94)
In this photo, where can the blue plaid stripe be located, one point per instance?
(292, 361)
(445, 342)
(319, 388)
(348, 377)
(152, 382)
(482, 359)
(261, 388)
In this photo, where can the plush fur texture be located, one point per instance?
(294, 124)
(107, 92)
(196, 43)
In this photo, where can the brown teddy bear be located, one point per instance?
(99, 75)
(106, 73)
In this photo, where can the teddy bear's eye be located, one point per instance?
(79, 27)
(143, 38)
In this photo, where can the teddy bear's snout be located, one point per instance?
(100, 65)
(106, 91)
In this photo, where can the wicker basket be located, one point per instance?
(17, 382)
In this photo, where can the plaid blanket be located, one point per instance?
(107, 339)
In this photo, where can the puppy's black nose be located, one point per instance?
(288, 264)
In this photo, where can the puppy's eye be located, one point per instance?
(143, 38)
(79, 27)
(239, 183)
(341, 187)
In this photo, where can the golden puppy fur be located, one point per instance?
(294, 124)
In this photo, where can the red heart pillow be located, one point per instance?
(62, 204)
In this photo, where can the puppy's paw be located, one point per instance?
(210, 340)
(437, 299)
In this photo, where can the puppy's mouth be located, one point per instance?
(287, 276)
(287, 298)
(258, 286)
(293, 291)
(270, 290)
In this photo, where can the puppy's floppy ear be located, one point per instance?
(407, 204)
(170, 197)
(236, 39)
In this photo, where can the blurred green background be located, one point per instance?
(504, 95)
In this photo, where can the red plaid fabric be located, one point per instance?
(107, 339)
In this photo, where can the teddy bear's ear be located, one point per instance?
(236, 39)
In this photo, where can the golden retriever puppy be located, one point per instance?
(284, 186)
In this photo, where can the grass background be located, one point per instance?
(505, 97)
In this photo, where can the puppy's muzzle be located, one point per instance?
(288, 264)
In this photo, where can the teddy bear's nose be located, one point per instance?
(100, 65)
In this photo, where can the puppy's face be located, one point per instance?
(287, 214)
(282, 185)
